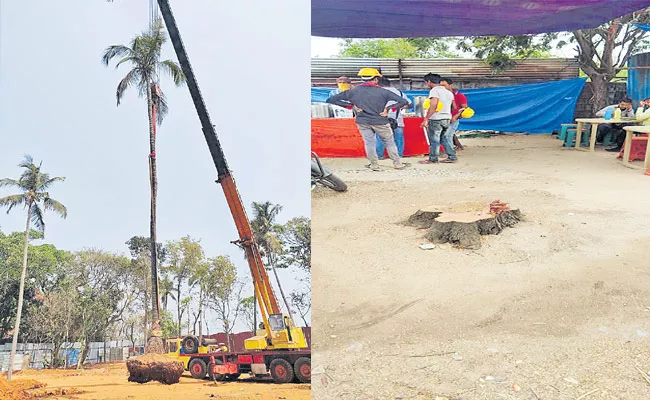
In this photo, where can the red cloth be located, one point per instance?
(340, 137)
(460, 99)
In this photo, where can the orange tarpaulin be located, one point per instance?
(340, 137)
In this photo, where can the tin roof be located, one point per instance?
(459, 68)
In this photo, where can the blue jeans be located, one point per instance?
(439, 129)
(453, 127)
(398, 134)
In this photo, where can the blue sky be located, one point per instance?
(57, 103)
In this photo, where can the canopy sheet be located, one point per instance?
(429, 18)
(644, 27)
(638, 77)
(530, 108)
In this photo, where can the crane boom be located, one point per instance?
(266, 298)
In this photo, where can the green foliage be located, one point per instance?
(185, 259)
(46, 268)
(267, 231)
(499, 52)
(378, 48)
(248, 311)
(397, 48)
(225, 293)
(301, 302)
(33, 185)
(143, 55)
(169, 327)
(296, 239)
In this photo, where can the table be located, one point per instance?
(629, 130)
(594, 129)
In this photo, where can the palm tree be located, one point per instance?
(266, 235)
(33, 185)
(143, 55)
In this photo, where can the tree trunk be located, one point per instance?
(254, 311)
(155, 297)
(178, 308)
(19, 312)
(200, 314)
(83, 353)
(304, 320)
(599, 84)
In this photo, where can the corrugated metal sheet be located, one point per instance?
(460, 68)
(638, 77)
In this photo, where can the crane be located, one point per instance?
(280, 330)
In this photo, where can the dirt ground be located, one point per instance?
(555, 308)
(109, 382)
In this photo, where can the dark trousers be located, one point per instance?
(616, 130)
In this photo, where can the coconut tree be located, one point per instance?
(143, 56)
(33, 185)
(266, 231)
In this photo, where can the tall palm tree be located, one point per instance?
(33, 185)
(143, 55)
(266, 235)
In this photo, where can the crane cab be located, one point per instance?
(283, 335)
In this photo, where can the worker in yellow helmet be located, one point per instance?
(370, 101)
(437, 122)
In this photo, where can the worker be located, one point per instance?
(643, 112)
(615, 130)
(456, 113)
(395, 118)
(437, 122)
(372, 118)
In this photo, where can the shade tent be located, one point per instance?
(437, 18)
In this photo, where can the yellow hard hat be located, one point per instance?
(368, 73)
(467, 113)
(427, 104)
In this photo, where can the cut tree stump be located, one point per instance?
(462, 230)
(154, 367)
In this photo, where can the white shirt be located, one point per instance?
(447, 98)
(393, 114)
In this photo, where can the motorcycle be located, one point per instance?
(323, 176)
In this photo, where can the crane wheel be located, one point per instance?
(302, 369)
(281, 371)
(197, 368)
(190, 345)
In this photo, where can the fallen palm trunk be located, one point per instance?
(154, 367)
(465, 235)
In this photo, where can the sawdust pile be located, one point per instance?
(154, 367)
(13, 390)
(465, 235)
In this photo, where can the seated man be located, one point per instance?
(615, 130)
(643, 112)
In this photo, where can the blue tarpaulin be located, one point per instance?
(638, 77)
(530, 108)
(428, 18)
(644, 27)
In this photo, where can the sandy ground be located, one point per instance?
(555, 308)
(109, 382)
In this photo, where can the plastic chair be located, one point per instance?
(570, 139)
(637, 151)
(564, 129)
